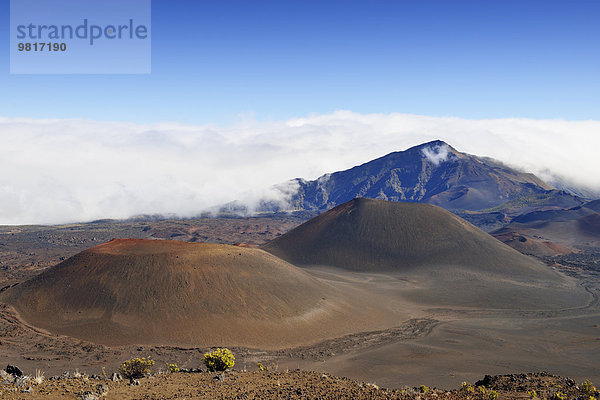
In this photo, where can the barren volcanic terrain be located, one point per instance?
(554, 232)
(390, 293)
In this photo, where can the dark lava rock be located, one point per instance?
(13, 370)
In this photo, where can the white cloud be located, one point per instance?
(436, 154)
(74, 170)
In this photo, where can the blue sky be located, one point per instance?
(215, 60)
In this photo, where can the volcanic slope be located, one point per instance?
(433, 173)
(569, 228)
(443, 259)
(130, 291)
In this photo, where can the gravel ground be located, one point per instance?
(294, 384)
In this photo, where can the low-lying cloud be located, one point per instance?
(56, 171)
(436, 154)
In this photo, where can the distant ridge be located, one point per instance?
(573, 228)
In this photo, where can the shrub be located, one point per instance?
(219, 360)
(493, 395)
(467, 387)
(559, 396)
(136, 368)
(39, 376)
(423, 389)
(172, 368)
(532, 394)
(588, 387)
(261, 367)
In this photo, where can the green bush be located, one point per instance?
(467, 387)
(172, 368)
(219, 360)
(559, 396)
(588, 387)
(136, 368)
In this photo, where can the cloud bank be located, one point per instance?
(57, 171)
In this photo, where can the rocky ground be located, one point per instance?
(294, 384)
(587, 259)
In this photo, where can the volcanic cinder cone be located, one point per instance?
(168, 292)
(449, 260)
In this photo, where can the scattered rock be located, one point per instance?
(191, 370)
(21, 381)
(115, 377)
(88, 396)
(14, 370)
(486, 381)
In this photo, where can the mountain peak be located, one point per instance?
(432, 143)
(432, 172)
